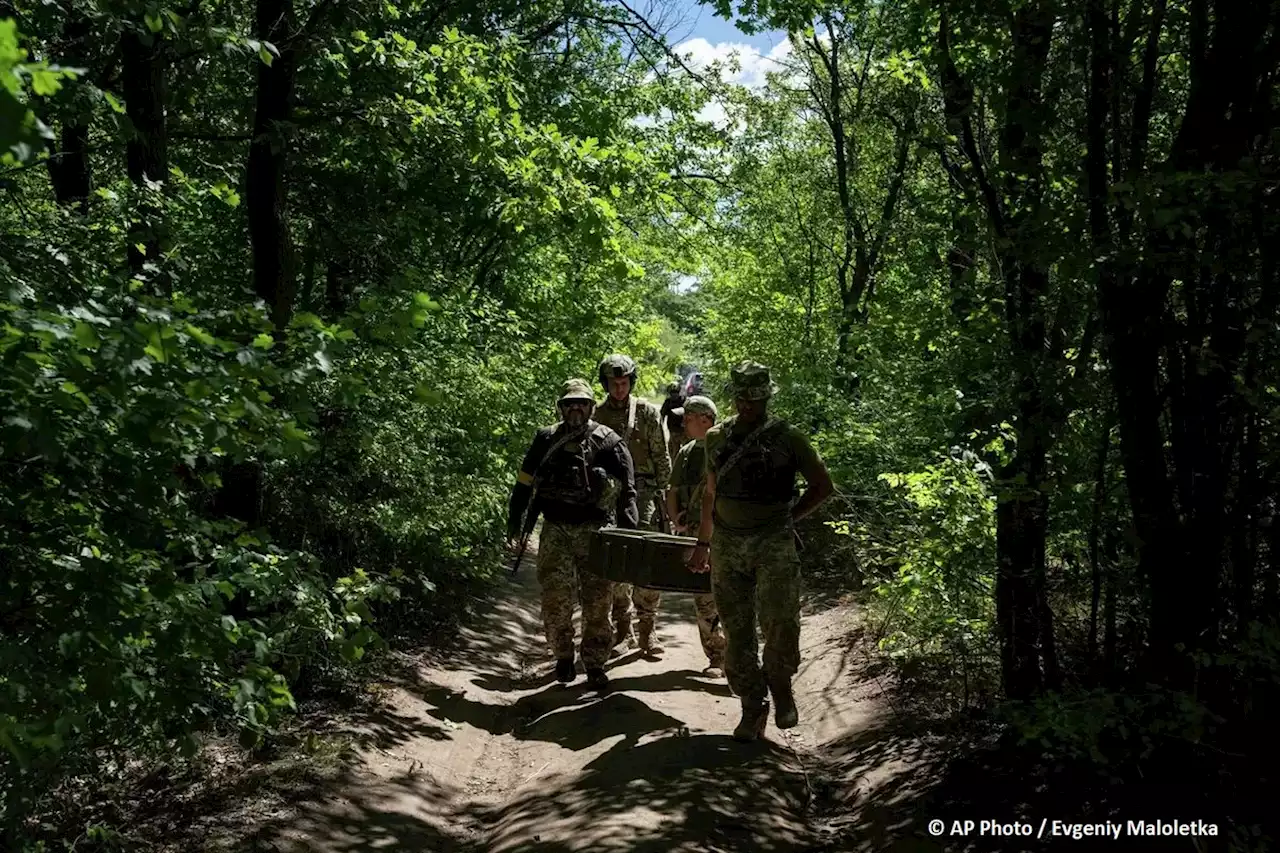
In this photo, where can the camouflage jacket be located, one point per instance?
(645, 438)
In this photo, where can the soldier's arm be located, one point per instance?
(817, 478)
(524, 485)
(673, 496)
(618, 463)
(658, 452)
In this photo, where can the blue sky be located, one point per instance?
(702, 22)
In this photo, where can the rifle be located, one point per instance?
(664, 523)
(531, 513)
(530, 520)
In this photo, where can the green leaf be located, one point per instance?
(423, 393)
(155, 345)
(265, 55)
(155, 23)
(264, 341)
(200, 334)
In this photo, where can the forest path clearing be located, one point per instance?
(479, 749)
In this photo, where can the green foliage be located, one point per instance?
(935, 597)
(207, 514)
(134, 618)
(22, 134)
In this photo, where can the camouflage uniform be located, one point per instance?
(562, 558)
(569, 471)
(757, 577)
(689, 479)
(676, 436)
(647, 444)
(755, 569)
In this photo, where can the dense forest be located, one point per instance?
(287, 285)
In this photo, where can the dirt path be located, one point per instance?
(484, 751)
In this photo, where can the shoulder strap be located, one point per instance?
(751, 439)
(631, 415)
(559, 443)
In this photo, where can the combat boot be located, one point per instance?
(785, 714)
(715, 669)
(755, 716)
(596, 678)
(565, 670)
(649, 644)
(622, 634)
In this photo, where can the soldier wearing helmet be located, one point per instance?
(564, 472)
(640, 425)
(747, 532)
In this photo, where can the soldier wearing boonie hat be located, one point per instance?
(746, 539)
(684, 507)
(562, 474)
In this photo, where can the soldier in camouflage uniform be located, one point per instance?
(676, 436)
(747, 539)
(640, 425)
(684, 508)
(564, 473)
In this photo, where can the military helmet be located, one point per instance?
(614, 366)
(673, 389)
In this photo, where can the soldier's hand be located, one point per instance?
(700, 562)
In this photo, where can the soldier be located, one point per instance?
(675, 423)
(564, 471)
(684, 508)
(747, 540)
(640, 425)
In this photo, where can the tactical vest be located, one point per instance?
(566, 476)
(634, 428)
(765, 473)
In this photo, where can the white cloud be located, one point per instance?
(740, 64)
(752, 65)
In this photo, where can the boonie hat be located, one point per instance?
(576, 389)
(749, 380)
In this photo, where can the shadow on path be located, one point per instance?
(700, 792)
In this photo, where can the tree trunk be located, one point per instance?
(1022, 509)
(69, 171)
(69, 166)
(1021, 528)
(1179, 482)
(266, 190)
(1095, 531)
(147, 159)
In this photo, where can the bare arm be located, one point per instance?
(819, 488)
(700, 561)
(673, 512)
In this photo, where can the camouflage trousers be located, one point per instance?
(564, 578)
(624, 594)
(757, 577)
(710, 634)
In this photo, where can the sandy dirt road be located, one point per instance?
(480, 749)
